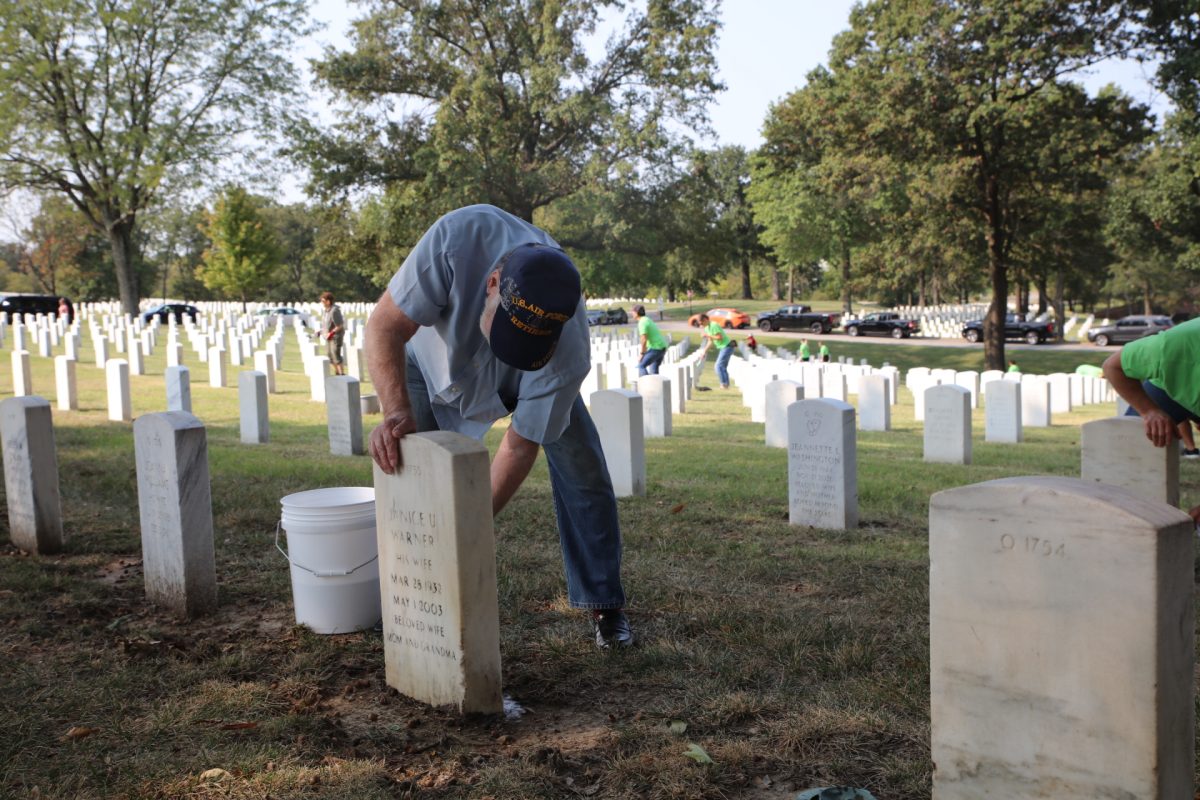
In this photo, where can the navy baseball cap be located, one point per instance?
(539, 292)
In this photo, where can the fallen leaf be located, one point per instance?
(215, 774)
(763, 781)
(238, 726)
(678, 726)
(678, 508)
(79, 732)
(697, 754)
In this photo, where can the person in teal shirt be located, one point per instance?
(823, 353)
(654, 344)
(719, 339)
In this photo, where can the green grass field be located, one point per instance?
(794, 657)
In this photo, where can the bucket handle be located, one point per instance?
(318, 573)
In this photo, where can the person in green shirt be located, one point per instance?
(654, 344)
(805, 350)
(1013, 366)
(823, 353)
(716, 336)
(1159, 376)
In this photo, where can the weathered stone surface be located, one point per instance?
(822, 464)
(1116, 451)
(438, 573)
(948, 424)
(31, 475)
(1061, 643)
(175, 504)
(617, 414)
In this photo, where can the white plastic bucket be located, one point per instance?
(333, 556)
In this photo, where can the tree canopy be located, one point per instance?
(109, 103)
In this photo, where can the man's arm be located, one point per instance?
(388, 331)
(1160, 428)
(514, 458)
(644, 344)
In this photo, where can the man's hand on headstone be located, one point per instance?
(385, 439)
(1160, 428)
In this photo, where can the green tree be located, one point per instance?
(811, 190)
(243, 256)
(109, 102)
(500, 103)
(957, 85)
(1153, 222)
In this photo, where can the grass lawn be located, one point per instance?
(794, 657)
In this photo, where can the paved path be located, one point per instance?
(681, 327)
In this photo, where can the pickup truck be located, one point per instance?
(1014, 328)
(798, 318)
(883, 323)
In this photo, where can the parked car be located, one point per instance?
(1126, 329)
(725, 317)
(596, 317)
(883, 323)
(616, 316)
(288, 314)
(798, 318)
(16, 304)
(1015, 327)
(167, 310)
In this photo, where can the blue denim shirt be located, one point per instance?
(442, 286)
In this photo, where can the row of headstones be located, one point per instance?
(174, 498)
(1029, 643)
(1017, 663)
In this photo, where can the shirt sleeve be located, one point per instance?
(1141, 359)
(421, 287)
(338, 320)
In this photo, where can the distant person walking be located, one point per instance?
(64, 309)
(805, 350)
(333, 328)
(1013, 367)
(653, 343)
(715, 335)
(823, 352)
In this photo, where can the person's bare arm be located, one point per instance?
(388, 330)
(1160, 428)
(512, 463)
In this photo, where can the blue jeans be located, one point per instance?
(1163, 400)
(650, 361)
(723, 356)
(589, 532)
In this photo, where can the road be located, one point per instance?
(681, 327)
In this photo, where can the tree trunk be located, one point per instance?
(747, 294)
(1043, 296)
(120, 240)
(993, 326)
(921, 290)
(791, 285)
(847, 310)
(1060, 315)
(671, 294)
(776, 286)
(1147, 298)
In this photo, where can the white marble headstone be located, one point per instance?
(1116, 451)
(64, 383)
(822, 464)
(437, 568)
(178, 381)
(175, 504)
(1061, 643)
(948, 424)
(252, 407)
(1002, 417)
(31, 475)
(617, 414)
(120, 403)
(343, 409)
(874, 403)
(656, 405)
(778, 395)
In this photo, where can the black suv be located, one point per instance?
(15, 305)
(168, 310)
(616, 316)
